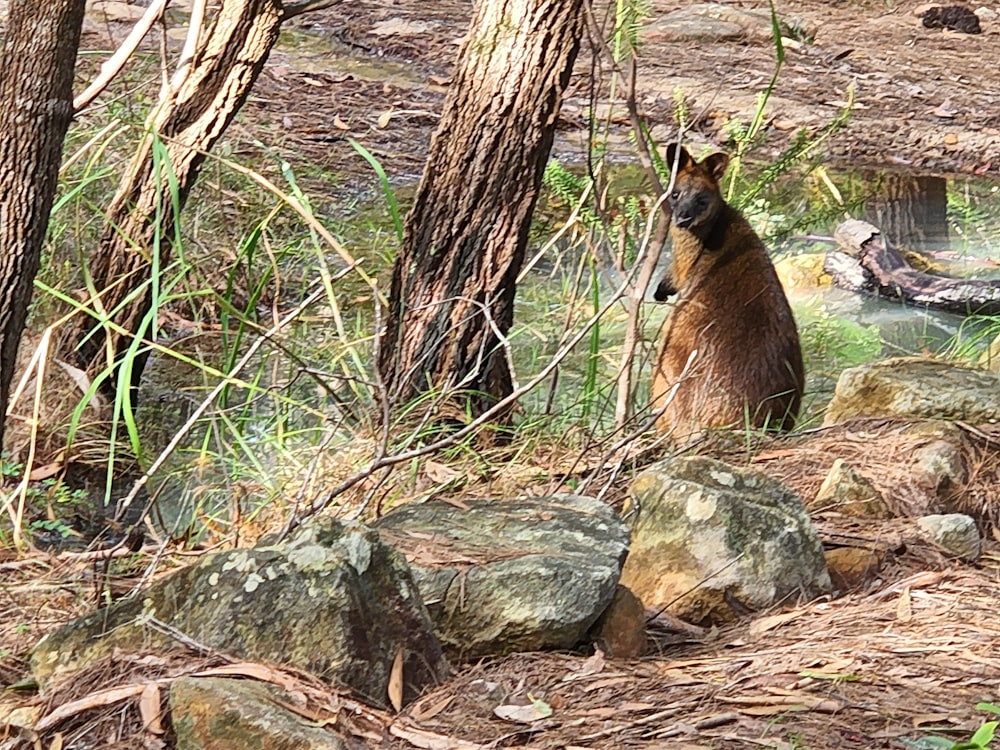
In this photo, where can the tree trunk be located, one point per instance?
(36, 107)
(452, 293)
(189, 118)
(912, 211)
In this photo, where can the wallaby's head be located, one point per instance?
(695, 198)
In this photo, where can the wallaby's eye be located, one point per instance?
(675, 195)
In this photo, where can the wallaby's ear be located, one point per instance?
(672, 153)
(716, 164)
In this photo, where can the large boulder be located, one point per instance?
(335, 601)
(511, 575)
(916, 388)
(710, 542)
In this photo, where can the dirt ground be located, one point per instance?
(914, 648)
(923, 99)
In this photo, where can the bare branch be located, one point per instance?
(113, 65)
(290, 10)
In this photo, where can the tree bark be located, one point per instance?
(453, 282)
(36, 107)
(140, 223)
(868, 263)
(912, 210)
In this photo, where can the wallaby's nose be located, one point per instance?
(683, 219)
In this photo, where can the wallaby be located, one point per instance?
(730, 354)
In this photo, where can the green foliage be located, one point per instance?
(49, 504)
(980, 740)
(834, 343)
(629, 18)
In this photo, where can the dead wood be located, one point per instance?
(867, 262)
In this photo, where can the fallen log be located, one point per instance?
(867, 262)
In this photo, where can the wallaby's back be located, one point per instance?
(730, 353)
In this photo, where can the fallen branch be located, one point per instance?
(866, 262)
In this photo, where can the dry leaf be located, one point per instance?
(427, 740)
(384, 118)
(527, 714)
(433, 710)
(44, 472)
(945, 110)
(605, 683)
(253, 670)
(904, 606)
(149, 708)
(455, 502)
(93, 700)
(396, 681)
(78, 376)
(339, 124)
(601, 712)
(593, 665)
(920, 719)
(399, 27)
(768, 623)
(440, 80)
(57, 742)
(439, 473)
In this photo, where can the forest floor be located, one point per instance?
(914, 648)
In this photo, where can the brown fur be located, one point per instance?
(731, 312)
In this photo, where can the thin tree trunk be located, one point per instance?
(453, 283)
(190, 117)
(36, 107)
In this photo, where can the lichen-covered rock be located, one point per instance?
(954, 532)
(845, 491)
(215, 713)
(335, 601)
(710, 541)
(916, 387)
(937, 465)
(511, 575)
(621, 629)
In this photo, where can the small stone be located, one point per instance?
(950, 139)
(954, 532)
(850, 567)
(621, 630)
(938, 467)
(845, 491)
